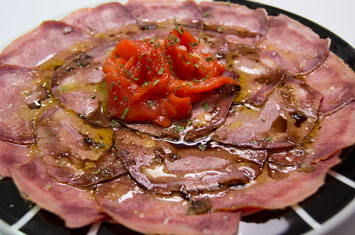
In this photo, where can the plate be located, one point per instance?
(330, 206)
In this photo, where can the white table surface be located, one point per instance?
(19, 16)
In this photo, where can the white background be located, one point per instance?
(19, 16)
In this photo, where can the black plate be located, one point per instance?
(327, 203)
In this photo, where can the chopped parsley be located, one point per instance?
(268, 139)
(179, 128)
(206, 107)
(206, 14)
(202, 147)
(150, 103)
(123, 116)
(161, 71)
(156, 82)
(189, 83)
(208, 59)
(194, 44)
(197, 66)
(92, 96)
(176, 89)
(188, 122)
(177, 27)
(63, 88)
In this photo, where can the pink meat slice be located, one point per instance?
(109, 17)
(301, 48)
(336, 132)
(274, 192)
(243, 24)
(20, 97)
(75, 206)
(289, 114)
(149, 213)
(336, 81)
(41, 44)
(162, 167)
(152, 13)
(259, 71)
(74, 152)
(12, 155)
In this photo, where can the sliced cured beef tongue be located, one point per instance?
(149, 213)
(106, 18)
(216, 44)
(79, 84)
(241, 24)
(301, 48)
(20, 99)
(75, 206)
(12, 155)
(334, 133)
(259, 72)
(154, 14)
(288, 115)
(273, 190)
(162, 167)
(206, 115)
(42, 44)
(336, 81)
(73, 151)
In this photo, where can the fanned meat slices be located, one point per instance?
(164, 168)
(301, 48)
(151, 14)
(73, 151)
(110, 17)
(75, 206)
(289, 114)
(336, 81)
(243, 25)
(20, 98)
(242, 149)
(146, 212)
(42, 44)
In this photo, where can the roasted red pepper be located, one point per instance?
(157, 81)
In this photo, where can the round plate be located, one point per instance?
(329, 207)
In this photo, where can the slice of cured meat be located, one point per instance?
(73, 151)
(301, 48)
(243, 25)
(20, 98)
(75, 206)
(146, 212)
(79, 86)
(12, 155)
(41, 44)
(336, 81)
(110, 17)
(150, 14)
(286, 118)
(206, 115)
(272, 192)
(162, 167)
(335, 132)
(259, 72)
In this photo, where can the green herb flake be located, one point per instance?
(195, 80)
(141, 56)
(203, 79)
(194, 44)
(262, 119)
(115, 98)
(179, 128)
(206, 14)
(157, 45)
(152, 41)
(150, 103)
(125, 98)
(63, 88)
(189, 83)
(92, 96)
(189, 122)
(145, 84)
(176, 89)
(268, 139)
(202, 147)
(135, 79)
(206, 107)
(177, 27)
(156, 82)
(220, 29)
(123, 116)
(27, 93)
(161, 71)
(197, 66)
(208, 59)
